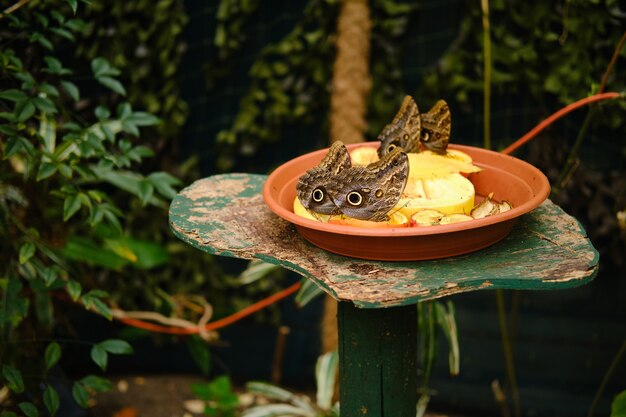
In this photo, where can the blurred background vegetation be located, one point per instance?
(243, 85)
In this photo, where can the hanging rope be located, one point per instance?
(351, 81)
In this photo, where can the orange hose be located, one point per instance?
(217, 324)
(565, 110)
(259, 305)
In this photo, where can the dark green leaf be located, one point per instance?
(146, 190)
(112, 84)
(102, 308)
(65, 170)
(52, 355)
(70, 206)
(73, 4)
(28, 409)
(55, 66)
(71, 89)
(51, 400)
(49, 276)
(13, 95)
(200, 352)
(163, 182)
(27, 250)
(49, 89)
(102, 113)
(618, 407)
(24, 109)
(116, 346)
(124, 110)
(143, 119)
(80, 394)
(96, 383)
(13, 146)
(84, 250)
(130, 127)
(45, 105)
(6, 413)
(63, 33)
(13, 377)
(73, 289)
(46, 169)
(99, 356)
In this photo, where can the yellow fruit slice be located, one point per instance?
(449, 194)
(425, 165)
(363, 155)
(299, 209)
(396, 219)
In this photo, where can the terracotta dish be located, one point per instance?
(507, 177)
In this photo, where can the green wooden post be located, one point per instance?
(377, 361)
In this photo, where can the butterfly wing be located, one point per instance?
(404, 131)
(436, 125)
(370, 192)
(311, 186)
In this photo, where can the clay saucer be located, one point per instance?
(509, 178)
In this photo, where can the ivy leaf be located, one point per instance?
(13, 378)
(70, 206)
(71, 89)
(28, 409)
(24, 109)
(45, 105)
(146, 191)
(80, 394)
(99, 356)
(116, 346)
(73, 289)
(51, 400)
(13, 95)
(112, 84)
(52, 355)
(140, 118)
(96, 383)
(73, 4)
(46, 169)
(26, 252)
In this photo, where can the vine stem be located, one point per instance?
(13, 8)
(607, 377)
(508, 352)
(487, 75)
(557, 115)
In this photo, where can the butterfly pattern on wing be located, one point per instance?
(370, 192)
(436, 125)
(403, 131)
(312, 186)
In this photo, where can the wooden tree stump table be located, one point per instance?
(225, 215)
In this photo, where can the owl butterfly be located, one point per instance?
(404, 131)
(436, 126)
(409, 129)
(370, 192)
(311, 187)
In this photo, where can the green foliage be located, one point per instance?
(553, 51)
(289, 404)
(288, 82)
(144, 40)
(219, 397)
(433, 314)
(62, 164)
(618, 407)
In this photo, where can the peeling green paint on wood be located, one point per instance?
(226, 215)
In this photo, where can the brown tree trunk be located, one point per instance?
(348, 102)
